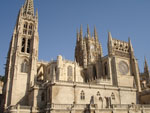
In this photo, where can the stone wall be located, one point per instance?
(69, 93)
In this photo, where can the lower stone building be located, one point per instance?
(93, 83)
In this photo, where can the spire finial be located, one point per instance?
(109, 36)
(146, 70)
(145, 58)
(77, 34)
(88, 31)
(95, 33)
(130, 44)
(110, 44)
(146, 65)
(81, 31)
(29, 7)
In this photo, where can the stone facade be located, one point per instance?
(93, 83)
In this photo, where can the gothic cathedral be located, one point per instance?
(93, 83)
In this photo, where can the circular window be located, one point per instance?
(123, 67)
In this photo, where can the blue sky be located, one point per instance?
(59, 19)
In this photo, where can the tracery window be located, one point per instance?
(24, 67)
(69, 73)
(98, 93)
(23, 45)
(82, 95)
(113, 96)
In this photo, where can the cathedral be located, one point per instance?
(93, 83)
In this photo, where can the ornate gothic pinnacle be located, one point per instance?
(109, 36)
(130, 44)
(88, 31)
(95, 33)
(81, 32)
(110, 49)
(78, 35)
(146, 66)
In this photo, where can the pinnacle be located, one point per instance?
(130, 44)
(146, 65)
(88, 31)
(95, 33)
(81, 31)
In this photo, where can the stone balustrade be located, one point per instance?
(134, 108)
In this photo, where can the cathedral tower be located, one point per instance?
(124, 64)
(88, 49)
(21, 66)
(88, 54)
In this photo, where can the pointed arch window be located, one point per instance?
(23, 45)
(28, 45)
(94, 72)
(105, 69)
(100, 99)
(30, 26)
(24, 66)
(82, 95)
(69, 73)
(29, 32)
(24, 31)
(25, 25)
(43, 97)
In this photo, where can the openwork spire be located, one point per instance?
(29, 7)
